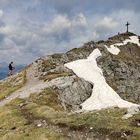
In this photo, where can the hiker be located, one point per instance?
(11, 68)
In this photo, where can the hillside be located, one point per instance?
(87, 93)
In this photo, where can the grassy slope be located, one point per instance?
(11, 84)
(19, 120)
(14, 126)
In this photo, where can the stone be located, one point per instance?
(72, 90)
(39, 125)
(131, 111)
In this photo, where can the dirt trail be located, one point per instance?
(33, 85)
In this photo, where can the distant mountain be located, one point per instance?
(2, 75)
(4, 69)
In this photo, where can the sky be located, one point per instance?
(30, 29)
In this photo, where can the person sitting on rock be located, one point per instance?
(11, 68)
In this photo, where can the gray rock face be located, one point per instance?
(77, 92)
(122, 72)
(71, 89)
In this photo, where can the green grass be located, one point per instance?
(106, 119)
(12, 83)
(13, 126)
(109, 119)
(18, 122)
(46, 98)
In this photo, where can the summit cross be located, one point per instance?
(127, 24)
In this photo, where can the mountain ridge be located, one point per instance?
(52, 67)
(52, 107)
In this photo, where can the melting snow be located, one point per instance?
(115, 51)
(103, 96)
(112, 49)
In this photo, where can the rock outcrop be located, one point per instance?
(71, 89)
(122, 71)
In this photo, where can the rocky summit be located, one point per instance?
(122, 71)
(44, 101)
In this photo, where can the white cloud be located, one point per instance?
(95, 35)
(60, 22)
(79, 20)
(108, 22)
(58, 35)
(1, 13)
(7, 29)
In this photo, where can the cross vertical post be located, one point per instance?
(127, 24)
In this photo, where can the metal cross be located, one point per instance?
(127, 24)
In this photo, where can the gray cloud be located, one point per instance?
(2, 36)
(32, 28)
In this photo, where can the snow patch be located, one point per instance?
(115, 51)
(103, 96)
(112, 49)
(133, 39)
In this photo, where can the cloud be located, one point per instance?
(58, 35)
(32, 28)
(108, 22)
(2, 36)
(7, 44)
(79, 20)
(1, 13)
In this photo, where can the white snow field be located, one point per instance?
(113, 48)
(103, 96)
